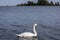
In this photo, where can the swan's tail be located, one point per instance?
(17, 35)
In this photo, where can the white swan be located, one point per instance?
(29, 34)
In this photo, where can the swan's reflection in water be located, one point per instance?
(28, 38)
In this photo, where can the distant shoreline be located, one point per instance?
(46, 5)
(11, 6)
(40, 3)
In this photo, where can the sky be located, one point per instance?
(15, 2)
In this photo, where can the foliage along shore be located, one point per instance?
(40, 3)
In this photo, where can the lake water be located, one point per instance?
(15, 20)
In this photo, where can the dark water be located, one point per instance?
(15, 20)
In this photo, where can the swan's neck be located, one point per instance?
(34, 30)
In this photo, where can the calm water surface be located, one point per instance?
(15, 20)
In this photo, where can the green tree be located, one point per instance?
(42, 2)
(45, 3)
(30, 3)
(57, 3)
(51, 3)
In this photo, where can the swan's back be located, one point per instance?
(26, 34)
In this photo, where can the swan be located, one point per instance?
(29, 34)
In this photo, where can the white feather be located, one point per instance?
(29, 34)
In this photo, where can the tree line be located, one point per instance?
(40, 3)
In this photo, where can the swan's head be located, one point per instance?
(35, 24)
